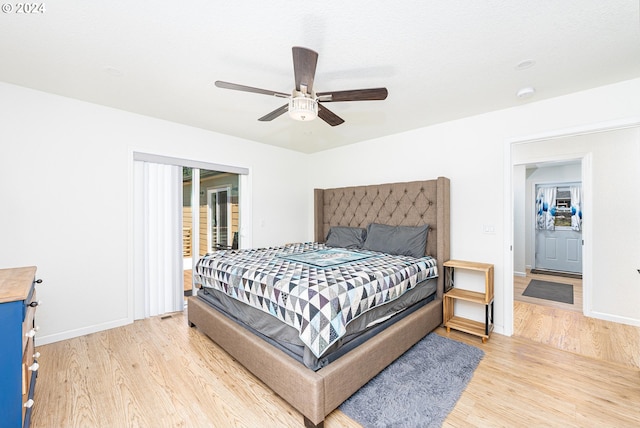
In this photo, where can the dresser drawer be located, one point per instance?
(29, 373)
(28, 326)
(29, 367)
(29, 364)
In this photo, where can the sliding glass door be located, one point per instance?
(219, 218)
(210, 215)
(201, 219)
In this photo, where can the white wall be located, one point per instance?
(472, 153)
(65, 183)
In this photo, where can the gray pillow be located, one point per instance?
(346, 237)
(398, 240)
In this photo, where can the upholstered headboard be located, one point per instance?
(397, 204)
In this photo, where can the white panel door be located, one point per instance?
(559, 250)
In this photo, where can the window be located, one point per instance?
(562, 213)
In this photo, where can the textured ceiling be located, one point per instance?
(439, 60)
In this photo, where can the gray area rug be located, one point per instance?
(419, 389)
(547, 290)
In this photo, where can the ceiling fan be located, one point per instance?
(305, 104)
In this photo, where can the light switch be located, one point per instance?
(488, 228)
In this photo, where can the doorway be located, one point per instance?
(609, 157)
(219, 218)
(211, 216)
(191, 241)
(547, 251)
(557, 222)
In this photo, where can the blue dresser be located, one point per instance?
(18, 358)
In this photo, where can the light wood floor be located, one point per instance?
(571, 331)
(563, 326)
(161, 373)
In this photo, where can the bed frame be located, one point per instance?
(315, 394)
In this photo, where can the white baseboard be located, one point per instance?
(70, 334)
(499, 329)
(519, 274)
(614, 318)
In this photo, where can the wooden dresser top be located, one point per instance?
(15, 283)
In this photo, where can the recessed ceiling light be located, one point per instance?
(523, 65)
(113, 71)
(527, 92)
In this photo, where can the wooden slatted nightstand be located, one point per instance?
(485, 298)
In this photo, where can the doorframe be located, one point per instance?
(217, 190)
(532, 231)
(587, 252)
(137, 154)
(586, 177)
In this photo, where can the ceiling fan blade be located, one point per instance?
(236, 87)
(277, 112)
(328, 116)
(304, 67)
(354, 95)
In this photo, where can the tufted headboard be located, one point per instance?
(397, 204)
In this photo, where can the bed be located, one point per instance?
(317, 391)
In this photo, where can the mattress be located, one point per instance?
(315, 289)
(287, 339)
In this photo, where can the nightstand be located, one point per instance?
(452, 293)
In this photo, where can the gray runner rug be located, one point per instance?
(419, 389)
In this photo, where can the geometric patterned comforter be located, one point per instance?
(296, 284)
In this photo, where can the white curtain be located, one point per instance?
(158, 268)
(576, 208)
(546, 208)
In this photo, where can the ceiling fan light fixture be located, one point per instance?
(304, 103)
(303, 108)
